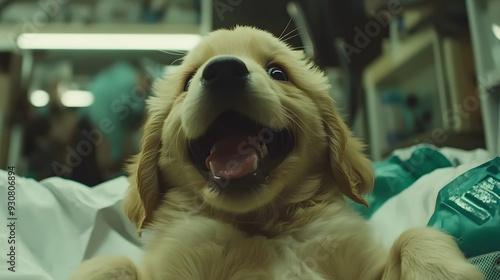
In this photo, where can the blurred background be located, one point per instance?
(74, 74)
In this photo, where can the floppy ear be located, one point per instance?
(146, 191)
(352, 171)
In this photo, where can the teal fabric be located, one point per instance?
(468, 208)
(395, 175)
(117, 102)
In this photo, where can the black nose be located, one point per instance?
(225, 73)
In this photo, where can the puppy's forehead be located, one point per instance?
(256, 44)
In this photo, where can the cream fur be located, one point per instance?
(296, 227)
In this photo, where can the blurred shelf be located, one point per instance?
(409, 52)
(432, 68)
(412, 65)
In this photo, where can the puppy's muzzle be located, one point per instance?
(236, 154)
(225, 74)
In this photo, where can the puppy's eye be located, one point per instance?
(277, 73)
(188, 82)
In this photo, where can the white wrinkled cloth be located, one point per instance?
(60, 222)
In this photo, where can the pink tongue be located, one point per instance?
(233, 157)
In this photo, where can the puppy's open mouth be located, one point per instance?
(237, 153)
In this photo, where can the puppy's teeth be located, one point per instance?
(211, 168)
(255, 164)
(264, 150)
(212, 150)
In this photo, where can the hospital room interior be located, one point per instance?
(417, 81)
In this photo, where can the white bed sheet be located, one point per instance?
(61, 222)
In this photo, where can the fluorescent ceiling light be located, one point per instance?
(39, 98)
(496, 30)
(108, 41)
(77, 98)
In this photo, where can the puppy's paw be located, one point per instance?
(427, 253)
(106, 268)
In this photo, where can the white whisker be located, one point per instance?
(286, 27)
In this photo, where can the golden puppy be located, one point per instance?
(242, 174)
